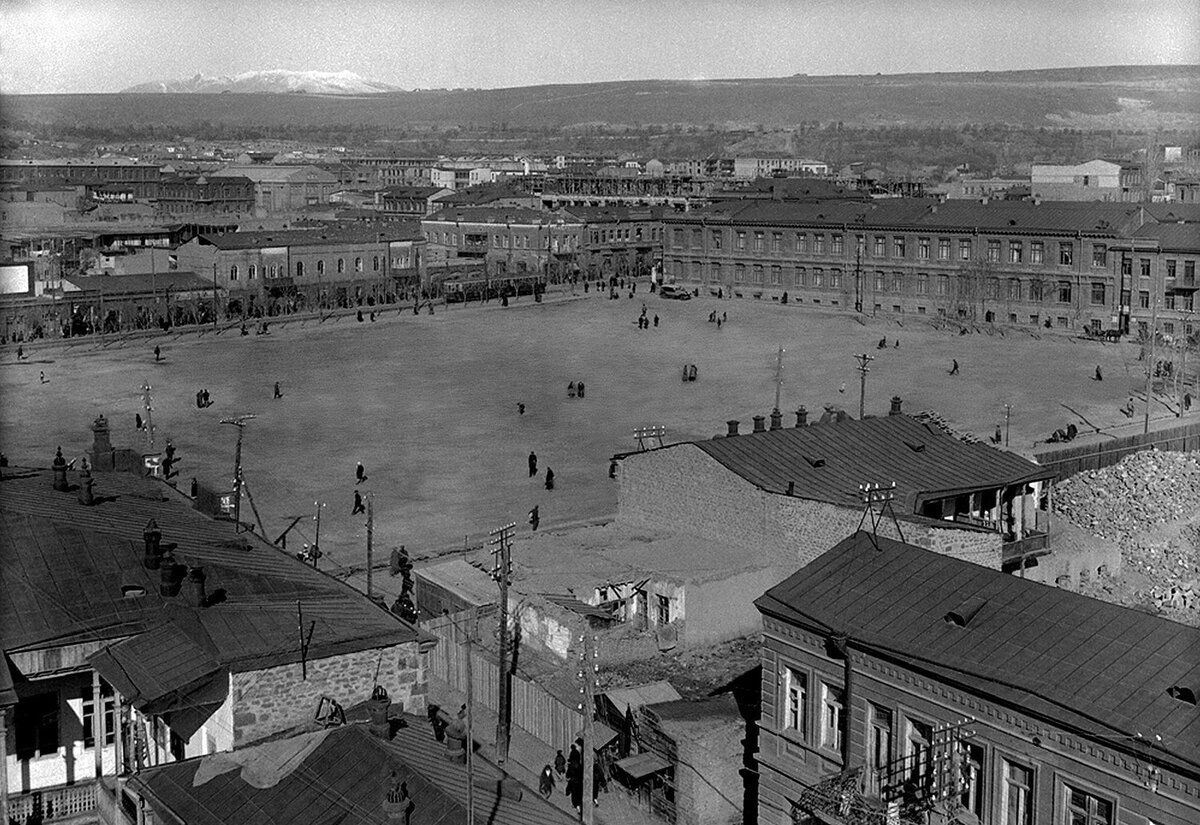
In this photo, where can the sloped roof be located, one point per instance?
(66, 564)
(638, 695)
(499, 215)
(382, 232)
(924, 462)
(265, 173)
(120, 284)
(461, 578)
(1089, 665)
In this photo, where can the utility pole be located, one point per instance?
(1007, 413)
(1153, 341)
(471, 629)
(316, 548)
(240, 423)
(370, 536)
(863, 369)
(778, 379)
(587, 673)
(501, 542)
(149, 408)
(858, 306)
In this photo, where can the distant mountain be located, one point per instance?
(276, 80)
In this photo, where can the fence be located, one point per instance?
(1071, 460)
(534, 709)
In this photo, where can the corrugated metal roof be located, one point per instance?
(265, 173)
(924, 462)
(325, 236)
(576, 606)
(1089, 665)
(462, 578)
(638, 695)
(499, 215)
(118, 284)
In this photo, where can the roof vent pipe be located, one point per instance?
(59, 466)
(733, 427)
(802, 417)
(776, 420)
(194, 591)
(169, 581)
(760, 423)
(896, 402)
(153, 538)
(86, 497)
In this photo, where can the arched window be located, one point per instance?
(341, 266)
(299, 269)
(358, 264)
(251, 272)
(375, 263)
(321, 267)
(233, 273)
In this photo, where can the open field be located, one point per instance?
(429, 403)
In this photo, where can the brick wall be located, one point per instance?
(681, 488)
(275, 699)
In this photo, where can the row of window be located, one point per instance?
(280, 270)
(623, 234)
(910, 762)
(501, 241)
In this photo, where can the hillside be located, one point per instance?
(276, 80)
(1096, 98)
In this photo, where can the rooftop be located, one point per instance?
(501, 215)
(324, 236)
(114, 285)
(1088, 665)
(828, 462)
(265, 173)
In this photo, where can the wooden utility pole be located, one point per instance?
(370, 536)
(148, 406)
(469, 647)
(863, 360)
(1153, 341)
(501, 542)
(240, 423)
(778, 377)
(587, 672)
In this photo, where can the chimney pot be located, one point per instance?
(194, 592)
(169, 580)
(791, 488)
(153, 538)
(733, 426)
(86, 497)
(801, 417)
(895, 410)
(759, 422)
(776, 420)
(59, 466)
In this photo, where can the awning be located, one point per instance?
(642, 765)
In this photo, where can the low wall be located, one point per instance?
(1097, 455)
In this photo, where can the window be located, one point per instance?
(922, 283)
(758, 242)
(993, 251)
(716, 239)
(697, 239)
(943, 249)
(819, 243)
(1169, 301)
(880, 282)
(1144, 299)
(757, 274)
(801, 242)
(943, 285)
(1085, 808)
(741, 240)
(964, 249)
(879, 746)
(663, 610)
(739, 274)
(1036, 290)
(880, 246)
(677, 238)
(795, 691)
(831, 717)
(835, 279)
(1144, 265)
(818, 277)
(1016, 805)
(839, 245)
(716, 273)
(375, 263)
(776, 241)
(299, 269)
(697, 274)
(1037, 252)
(358, 265)
(800, 276)
(1099, 254)
(776, 275)
(320, 267)
(1098, 290)
(898, 246)
(1066, 253)
(233, 273)
(971, 756)
(89, 714)
(37, 726)
(1064, 292)
(1014, 289)
(919, 754)
(1189, 273)
(991, 288)
(897, 282)
(923, 249)
(1015, 251)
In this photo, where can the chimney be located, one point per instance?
(59, 466)
(733, 427)
(759, 422)
(776, 419)
(168, 583)
(895, 410)
(85, 487)
(194, 591)
(801, 417)
(791, 488)
(153, 537)
(101, 444)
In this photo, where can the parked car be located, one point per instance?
(676, 292)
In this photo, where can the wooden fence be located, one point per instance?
(1071, 460)
(553, 720)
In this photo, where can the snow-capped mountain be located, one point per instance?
(275, 80)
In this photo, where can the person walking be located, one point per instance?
(532, 463)
(534, 518)
(954, 366)
(1099, 375)
(546, 781)
(20, 352)
(278, 394)
(360, 473)
(549, 479)
(560, 762)
(359, 507)
(157, 353)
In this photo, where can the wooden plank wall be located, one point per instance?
(1084, 457)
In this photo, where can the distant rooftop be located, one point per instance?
(382, 232)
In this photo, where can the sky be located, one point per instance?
(61, 46)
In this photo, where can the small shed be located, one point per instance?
(451, 587)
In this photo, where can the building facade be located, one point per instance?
(284, 188)
(511, 241)
(900, 686)
(1057, 265)
(619, 241)
(181, 196)
(141, 178)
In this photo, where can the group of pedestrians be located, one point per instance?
(570, 768)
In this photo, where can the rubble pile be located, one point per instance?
(1143, 491)
(935, 419)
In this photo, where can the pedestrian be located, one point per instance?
(842, 388)
(997, 437)
(579, 389)
(359, 507)
(725, 317)
(534, 518)
(954, 366)
(42, 376)
(685, 373)
(532, 463)
(207, 398)
(546, 782)
(897, 344)
(20, 352)
(560, 762)
(882, 343)
(278, 394)
(656, 321)
(360, 473)
(199, 399)
(571, 390)
(360, 318)
(520, 408)
(372, 317)
(1099, 375)
(598, 782)
(157, 353)
(549, 479)
(718, 323)
(137, 421)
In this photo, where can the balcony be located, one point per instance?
(62, 804)
(1034, 544)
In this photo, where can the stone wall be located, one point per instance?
(683, 489)
(275, 699)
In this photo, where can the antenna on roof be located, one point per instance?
(655, 432)
(877, 501)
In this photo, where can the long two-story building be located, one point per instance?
(1024, 263)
